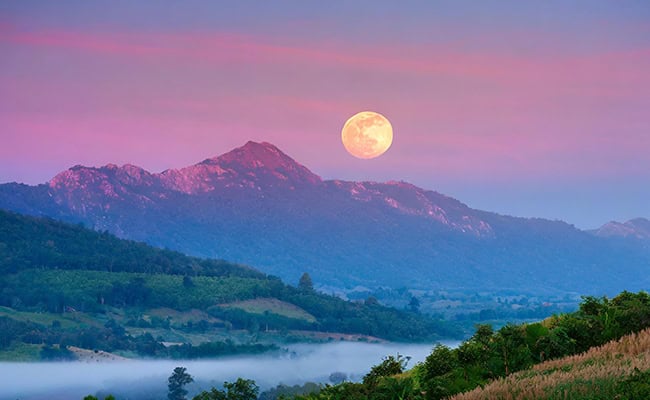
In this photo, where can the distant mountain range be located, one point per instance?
(256, 205)
(638, 228)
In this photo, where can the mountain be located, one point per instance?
(255, 205)
(638, 228)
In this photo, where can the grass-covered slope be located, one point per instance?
(600, 350)
(619, 369)
(271, 305)
(61, 269)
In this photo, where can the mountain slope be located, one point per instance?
(616, 370)
(50, 266)
(27, 242)
(255, 205)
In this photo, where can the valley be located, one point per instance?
(291, 200)
(64, 285)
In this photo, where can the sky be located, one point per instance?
(536, 109)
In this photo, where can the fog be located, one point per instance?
(145, 379)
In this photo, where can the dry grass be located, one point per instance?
(582, 373)
(67, 320)
(95, 356)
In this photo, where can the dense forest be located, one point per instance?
(43, 243)
(63, 285)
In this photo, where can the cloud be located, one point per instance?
(462, 113)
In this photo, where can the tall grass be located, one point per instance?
(592, 375)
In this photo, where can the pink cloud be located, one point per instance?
(224, 47)
(464, 114)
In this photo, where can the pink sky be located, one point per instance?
(556, 114)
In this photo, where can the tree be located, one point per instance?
(177, 382)
(441, 361)
(593, 306)
(371, 301)
(414, 304)
(241, 389)
(392, 388)
(510, 345)
(187, 282)
(556, 344)
(483, 334)
(469, 353)
(305, 283)
(338, 377)
(629, 312)
(389, 366)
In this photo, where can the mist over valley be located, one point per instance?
(145, 379)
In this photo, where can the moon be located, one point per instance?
(367, 134)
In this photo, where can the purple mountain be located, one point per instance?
(638, 228)
(258, 206)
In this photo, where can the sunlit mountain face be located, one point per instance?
(258, 206)
(638, 228)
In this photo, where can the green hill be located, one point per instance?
(64, 285)
(43, 243)
(273, 306)
(619, 369)
(601, 351)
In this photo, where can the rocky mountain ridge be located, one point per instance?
(638, 228)
(256, 205)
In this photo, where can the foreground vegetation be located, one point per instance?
(490, 360)
(619, 369)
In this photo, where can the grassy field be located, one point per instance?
(21, 352)
(273, 306)
(81, 287)
(67, 320)
(176, 333)
(592, 375)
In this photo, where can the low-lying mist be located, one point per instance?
(147, 379)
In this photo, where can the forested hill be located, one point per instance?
(43, 243)
(55, 268)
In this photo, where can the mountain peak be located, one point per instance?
(254, 157)
(253, 165)
(635, 228)
(253, 151)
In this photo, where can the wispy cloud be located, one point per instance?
(461, 111)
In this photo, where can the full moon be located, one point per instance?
(367, 135)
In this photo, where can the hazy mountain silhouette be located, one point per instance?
(258, 206)
(638, 228)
